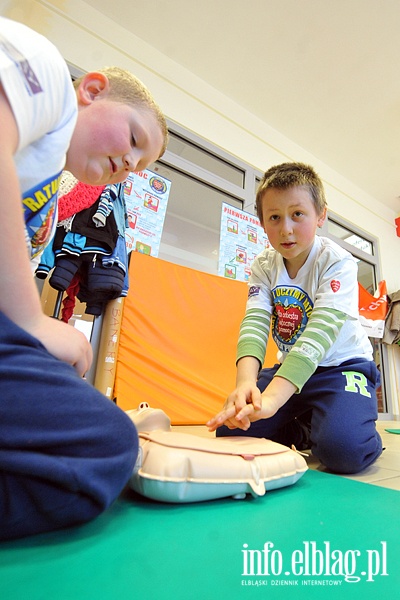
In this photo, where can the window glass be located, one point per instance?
(192, 223)
(350, 237)
(192, 153)
(366, 276)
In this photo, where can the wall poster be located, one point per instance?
(241, 239)
(146, 197)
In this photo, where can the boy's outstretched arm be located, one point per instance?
(246, 392)
(19, 298)
(277, 393)
(319, 335)
(246, 404)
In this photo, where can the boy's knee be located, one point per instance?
(121, 447)
(349, 458)
(121, 432)
(130, 447)
(105, 463)
(345, 464)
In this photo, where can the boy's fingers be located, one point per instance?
(243, 423)
(256, 400)
(236, 415)
(224, 415)
(257, 404)
(245, 412)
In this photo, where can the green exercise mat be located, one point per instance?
(324, 537)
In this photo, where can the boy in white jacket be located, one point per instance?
(305, 288)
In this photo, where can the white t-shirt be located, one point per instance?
(328, 279)
(38, 86)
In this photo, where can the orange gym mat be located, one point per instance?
(178, 340)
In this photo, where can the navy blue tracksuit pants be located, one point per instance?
(66, 451)
(344, 410)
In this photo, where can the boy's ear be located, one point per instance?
(93, 85)
(322, 218)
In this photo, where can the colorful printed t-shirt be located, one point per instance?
(38, 86)
(327, 280)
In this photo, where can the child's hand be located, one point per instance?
(269, 406)
(246, 394)
(244, 407)
(64, 342)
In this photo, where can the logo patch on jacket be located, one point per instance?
(293, 308)
(335, 285)
(254, 290)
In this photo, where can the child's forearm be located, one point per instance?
(273, 398)
(19, 298)
(247, 369)
(277, 394)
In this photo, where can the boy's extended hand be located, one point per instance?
(246, 404)
(245, 395)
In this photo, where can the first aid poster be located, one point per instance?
(146, 198)
(241, 239)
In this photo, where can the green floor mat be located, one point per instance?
(324, 537)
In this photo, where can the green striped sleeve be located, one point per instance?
(253, 334)
(308, 352)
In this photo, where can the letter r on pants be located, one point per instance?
(356, 382)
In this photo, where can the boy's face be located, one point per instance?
(111, 139)
(290, 221)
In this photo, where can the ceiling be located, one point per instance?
(324, 73)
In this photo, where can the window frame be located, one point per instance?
(373, 260)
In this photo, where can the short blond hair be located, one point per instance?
(288, 175)
(128, 89)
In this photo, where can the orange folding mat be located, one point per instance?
(178, 340)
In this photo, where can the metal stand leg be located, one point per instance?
(57, 306)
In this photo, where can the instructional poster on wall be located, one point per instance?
(241, 239)
(146, 198)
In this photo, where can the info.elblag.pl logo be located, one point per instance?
(330, 565)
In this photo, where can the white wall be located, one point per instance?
(88, 40)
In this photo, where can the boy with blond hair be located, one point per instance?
(322, 392)
(66, 451)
